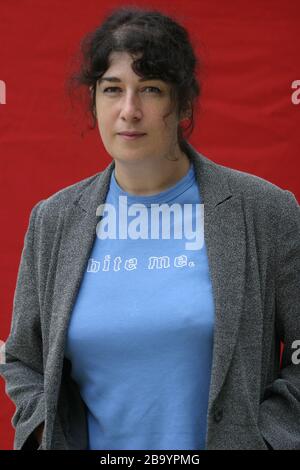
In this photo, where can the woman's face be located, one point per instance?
(133, 105)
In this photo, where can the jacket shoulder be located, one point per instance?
(265, 200)
(47, 214)
(61, 199)
(250, 184)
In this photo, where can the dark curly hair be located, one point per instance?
(167, 54)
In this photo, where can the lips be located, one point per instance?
(131, 134)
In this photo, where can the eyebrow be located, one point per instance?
(118, 80)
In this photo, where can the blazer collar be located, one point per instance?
(224, 235)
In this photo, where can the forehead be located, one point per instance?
(121, 60)
(120, 68)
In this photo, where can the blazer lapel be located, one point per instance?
(224, 234)
(79, 230)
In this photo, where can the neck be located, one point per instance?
(150, 177)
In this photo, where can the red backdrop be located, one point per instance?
(249, 117)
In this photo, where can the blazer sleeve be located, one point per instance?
(279, 417)
(23, 366)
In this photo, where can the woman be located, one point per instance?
(122, 339)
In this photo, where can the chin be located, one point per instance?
(130, 156)
(122, 152)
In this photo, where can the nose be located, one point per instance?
(131, 107)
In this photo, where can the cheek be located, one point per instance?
(105, 119)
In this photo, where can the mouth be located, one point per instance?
(132, 136)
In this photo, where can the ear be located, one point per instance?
(187, 114)
(94, 107)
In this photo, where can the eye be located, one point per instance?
(110, 88)
(156, 90)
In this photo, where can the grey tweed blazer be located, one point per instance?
(252, 235)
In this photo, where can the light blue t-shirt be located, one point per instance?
(140, 337)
